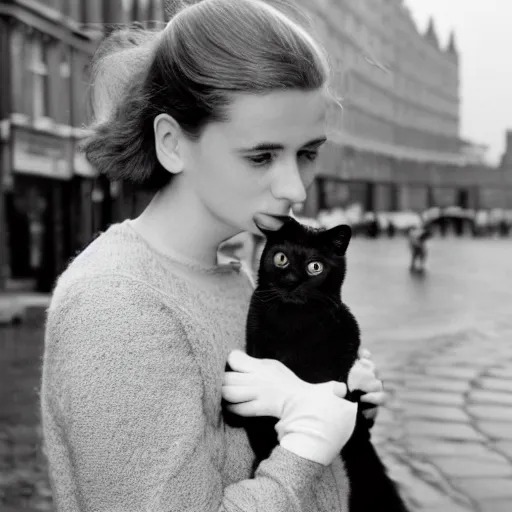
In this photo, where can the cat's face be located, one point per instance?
(300, 263)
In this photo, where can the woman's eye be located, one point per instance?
(260, 160)
(280, 260)
(315, 268)
(311, 156)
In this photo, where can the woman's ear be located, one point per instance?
(167, 143)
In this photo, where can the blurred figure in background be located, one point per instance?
(417, 237)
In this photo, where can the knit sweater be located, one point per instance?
(135, 350)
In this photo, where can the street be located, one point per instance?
(442, 345)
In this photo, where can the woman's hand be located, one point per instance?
(315, 420)
(363, 376)
(258, 387)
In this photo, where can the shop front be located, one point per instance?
(38, 204)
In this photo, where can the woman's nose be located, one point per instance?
(288, 184)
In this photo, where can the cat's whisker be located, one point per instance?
(266, 295)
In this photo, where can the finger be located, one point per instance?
(238, 379)
(238, 394)
(338, 388)
(367, 364)
(241, 362)
(364, 353)
(249, 409)
(360, 376)
(377, 398)
(372, 386)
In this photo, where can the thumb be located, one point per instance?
(337, 388)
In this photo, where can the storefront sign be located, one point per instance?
(41, 154)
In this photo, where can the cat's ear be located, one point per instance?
(339, 237)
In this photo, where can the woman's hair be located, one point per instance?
(191, 70)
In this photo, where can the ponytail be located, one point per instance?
(121, 142)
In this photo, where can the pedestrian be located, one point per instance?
(418, 237)
(222, 114)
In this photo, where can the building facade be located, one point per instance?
(399, 88)
(396, 143)
(51, 203)
(394, 147)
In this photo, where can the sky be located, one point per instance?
(483, 32)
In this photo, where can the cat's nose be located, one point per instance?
(292, 280)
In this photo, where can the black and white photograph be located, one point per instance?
(255, 256)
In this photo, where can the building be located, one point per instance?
(400, 88)
(396, 145)
(506, 159)
(50, 202)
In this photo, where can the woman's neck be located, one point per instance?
(179, 226)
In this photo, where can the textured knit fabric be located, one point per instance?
(135, 350)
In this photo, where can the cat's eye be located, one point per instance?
(280, 260)
(315, 268)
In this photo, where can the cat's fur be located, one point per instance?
(301, 321)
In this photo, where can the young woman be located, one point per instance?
(222, 114)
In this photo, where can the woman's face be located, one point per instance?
(259, 162)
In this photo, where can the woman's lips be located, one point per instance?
(269, 222)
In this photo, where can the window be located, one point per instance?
(18, 72)
(41, 86)
(128, 8)
(63, 110)
(65, 67)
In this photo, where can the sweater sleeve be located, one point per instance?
(124, 387)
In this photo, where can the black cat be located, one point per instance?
(297, 317)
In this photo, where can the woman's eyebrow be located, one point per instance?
(315, 142)
(270, 146)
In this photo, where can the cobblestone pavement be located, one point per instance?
(23, 479)
(443, 345)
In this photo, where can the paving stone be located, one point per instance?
(504, 447)
(495, 506)
(496, 430)
(385, 417)
(495, 384)
(435, 384)
(503, 373)
(386, 433)
(442, 413)
(455, 372)
(431, 397)
(491, 412)
(453, 431)
(490, 397)
(428, 472)
(469, 450)
(413, 488)
(397, 374)
(461, 467)
(485, 488)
